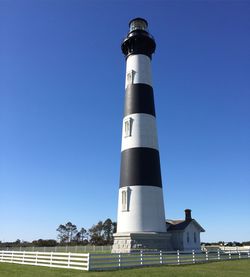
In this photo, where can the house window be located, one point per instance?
(125, 200)
(187, 237)
(128, 127)
(195, 238)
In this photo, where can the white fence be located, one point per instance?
(51, 259)
(118, 261)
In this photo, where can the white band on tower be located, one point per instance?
(138, 70)
(139, 130)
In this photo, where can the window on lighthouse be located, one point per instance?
(124, 200)
(128, 127)
(125, 196)
(130, 77)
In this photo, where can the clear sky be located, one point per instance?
(62, 77)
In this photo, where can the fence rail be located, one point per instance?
(50, 259)
(116, 261)
(109, 261)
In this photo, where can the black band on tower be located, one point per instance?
(138, 42)
(139, 98)
(140, 167)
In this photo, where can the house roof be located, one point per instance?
(180, 225)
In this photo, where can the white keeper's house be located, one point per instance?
(185, 233)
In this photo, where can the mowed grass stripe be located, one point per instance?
(234, 268)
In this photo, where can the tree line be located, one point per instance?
(99, 234)
(68, 234)
(229, 243)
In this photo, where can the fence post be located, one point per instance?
(178, 257)
(206, 256)
(119, 260)
(51, 258)
(36, 258)
(239, 254)
(23, 256)
(141, 257)
(229, 255)
(248, 254)
(88, 262)
(11, 259)
(160, 257)
(218, 254)
(193, 255)
(69, 259)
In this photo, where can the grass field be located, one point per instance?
(217, 269)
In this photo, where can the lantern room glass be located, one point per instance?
(138, 24)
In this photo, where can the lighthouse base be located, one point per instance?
(132, 242)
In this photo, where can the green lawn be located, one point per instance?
(216, 269)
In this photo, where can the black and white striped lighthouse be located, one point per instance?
(141, 216)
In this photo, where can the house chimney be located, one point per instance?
(188, 215)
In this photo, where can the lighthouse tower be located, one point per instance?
(141, 217)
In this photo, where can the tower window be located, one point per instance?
(130, 77)
(128, 127)
(125, 197)
(124, 200)
(187, 237)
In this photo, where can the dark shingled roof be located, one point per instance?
(178, 225)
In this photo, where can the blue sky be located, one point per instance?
(61, 107)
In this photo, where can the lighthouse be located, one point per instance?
(140, 218)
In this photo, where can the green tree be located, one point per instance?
(109, 228)
(63, 234)
(81, 236)
(71, 230)
(96, 234)
(102, 232)
(67, 232)
(47, 242)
